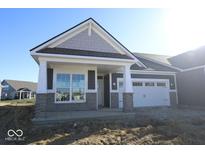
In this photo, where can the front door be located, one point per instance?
(100, 92)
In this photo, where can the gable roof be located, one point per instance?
(59, 34)
(160, 58)
(22, 84)
(189, 59)
(155, 59)
(89, 22)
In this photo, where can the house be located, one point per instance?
(13, 89)
(191, 80)
(86, 68)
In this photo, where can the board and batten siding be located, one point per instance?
(191, 87)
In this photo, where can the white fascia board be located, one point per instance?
(68, 36)
(86, 25)
(61, 36)
(85, 60)
(193, 68)
(154, 61)
(113, 43)
(153, 72)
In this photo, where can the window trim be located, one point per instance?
(71, 75)
(149, 82)
(164, 86)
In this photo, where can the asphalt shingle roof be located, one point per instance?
(158, 58)
(22, 84)
(65, 51)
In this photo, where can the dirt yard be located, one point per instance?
(150, 126)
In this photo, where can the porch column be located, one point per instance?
(30, 95)
(42, 77)
(20, 94)
(128, 90)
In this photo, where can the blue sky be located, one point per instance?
(140, 30)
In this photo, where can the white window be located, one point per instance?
(78, 87)
(63, 87)
(161, 84)
(149, 84)
(70, 87)
(138, 84)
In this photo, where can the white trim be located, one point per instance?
(119, 47)
(71, 74)
(96, 87)
(145, 79)
(84, 58)
(173, 90)
(154, 61)
(89, 29)
(42, 77)
(62, 40)
(110, 85)
(87, 25)
(59, 37)
(152, 72)
(128, 88)
(69, 102)
(176, 89)
(106, 39)
(193, 68)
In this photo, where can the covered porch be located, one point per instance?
(66, 84)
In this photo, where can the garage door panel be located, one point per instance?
(152, 93)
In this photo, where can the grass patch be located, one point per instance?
(17, 102)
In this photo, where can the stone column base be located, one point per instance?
(127, 102)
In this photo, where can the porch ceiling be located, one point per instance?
(108, 68)
(101, 68)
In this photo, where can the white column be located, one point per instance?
(20, 94)
(127, 80)
(30, 95)
(42, 77)
(0, 90)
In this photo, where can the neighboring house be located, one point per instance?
(86, 68)
(191, 80)
(13, 89)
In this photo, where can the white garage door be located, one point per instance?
(148, 92)
(151, 93)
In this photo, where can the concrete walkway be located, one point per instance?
(57, 117)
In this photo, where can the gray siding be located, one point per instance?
(127, 102)
(191, 87)
(114, 100)
(46, 103)
(7, 93)
(173, 99)
(84, 42)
